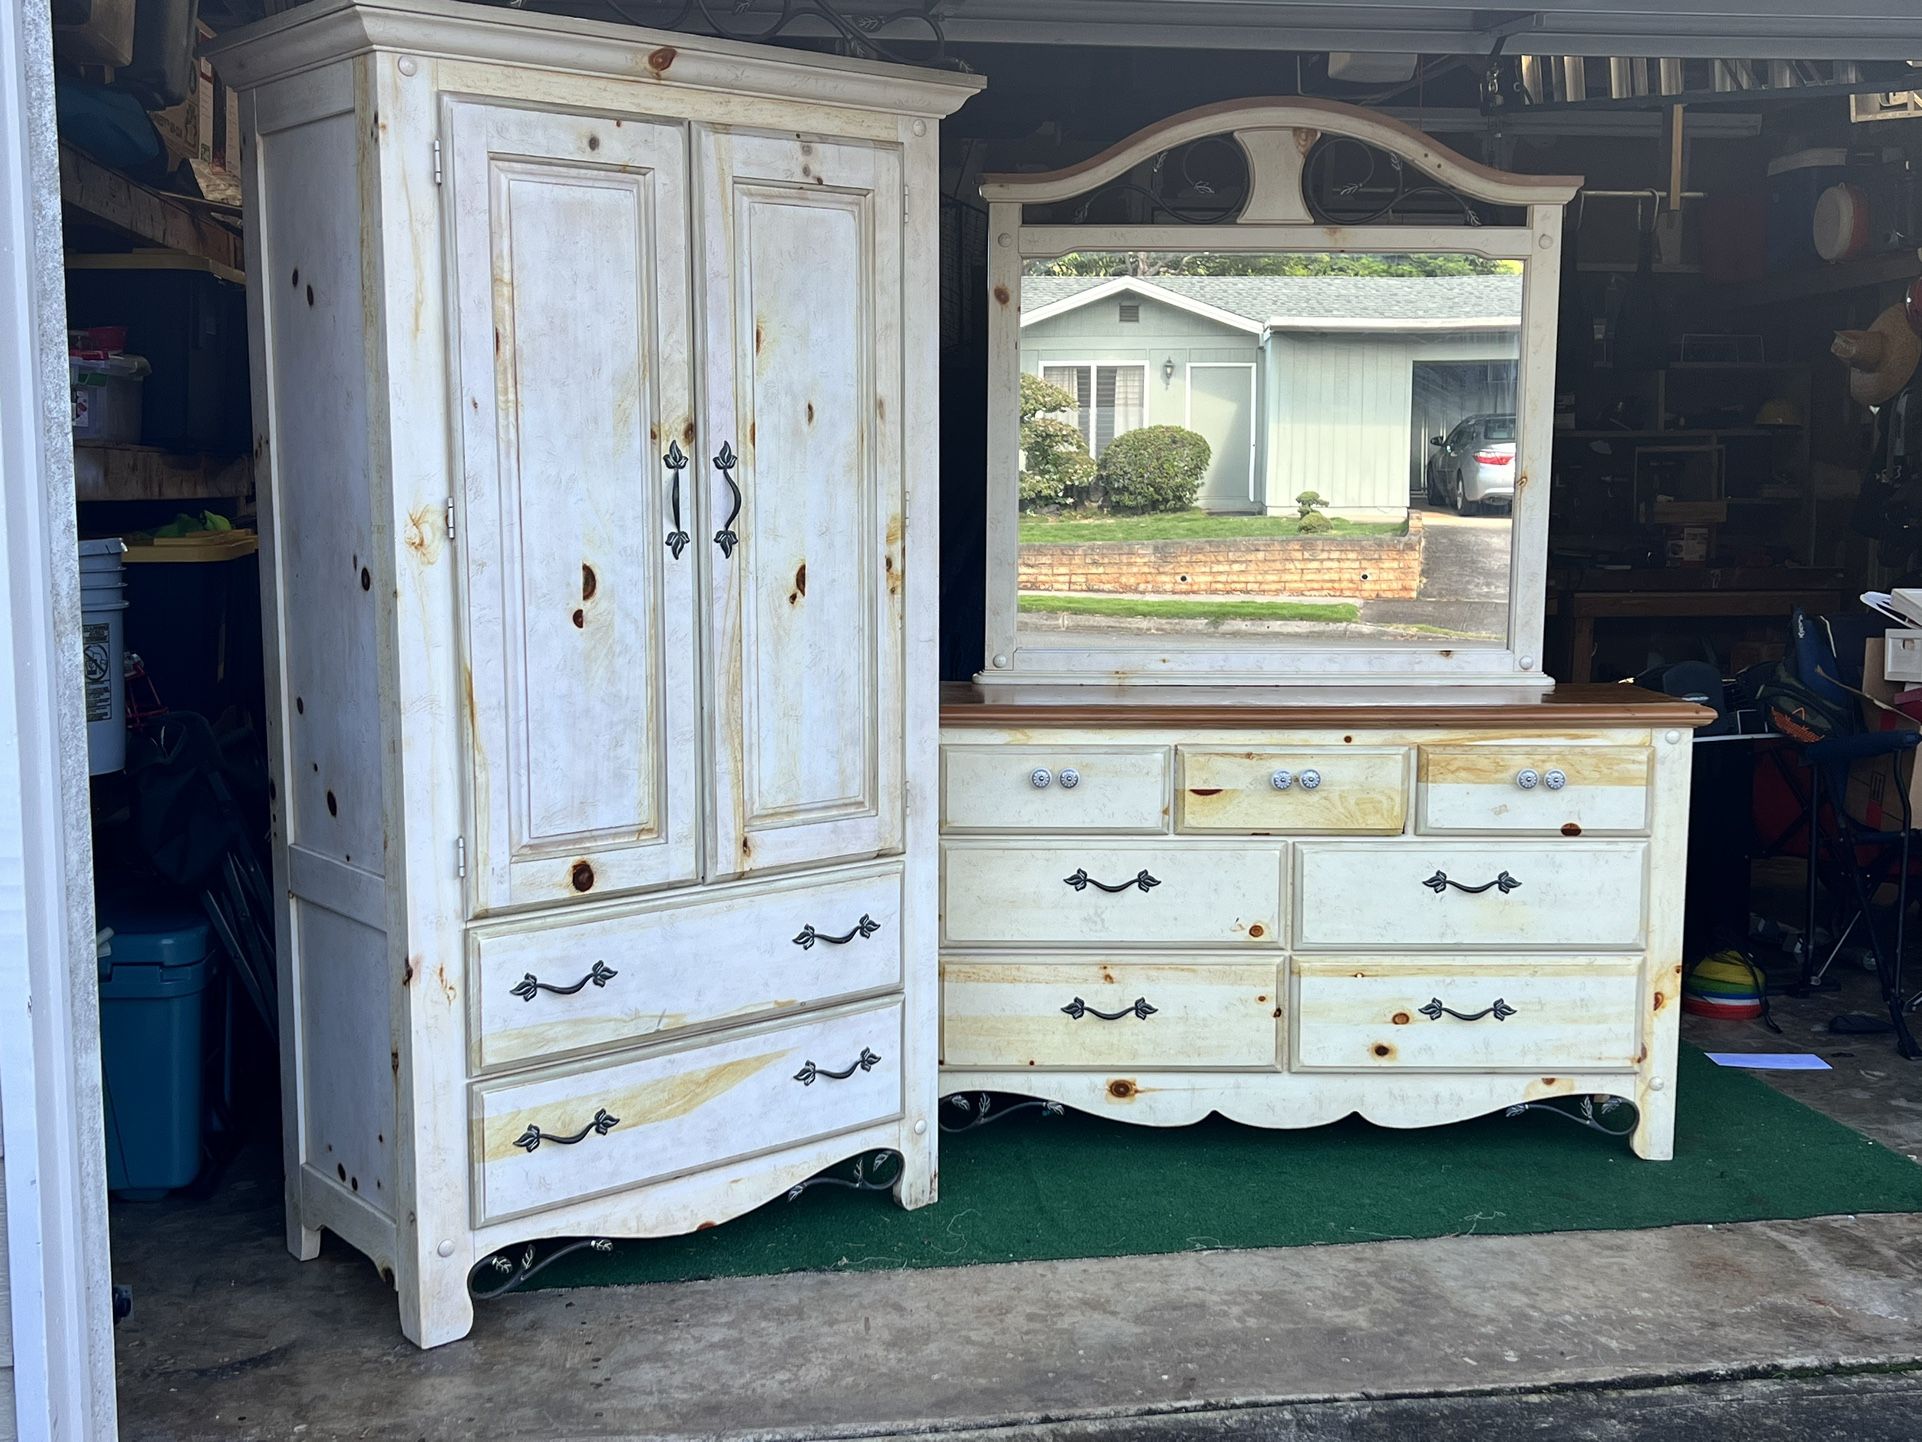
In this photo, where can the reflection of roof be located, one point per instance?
(1299, 301)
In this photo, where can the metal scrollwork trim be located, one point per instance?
(1081, 881)
(865, 1062)
(1434, 1011)
(528, 986)
(676, 461)
(531, 1265)
(980, 1110)
(1079, 1008)
(1441, 880)
(603, 1123)
(1589, 1112)
(863, 928)
(725, 463)
(888, 1166)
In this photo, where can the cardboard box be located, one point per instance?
(1902, 656)
(1875, 787)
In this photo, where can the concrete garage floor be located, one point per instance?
(1760, 1331)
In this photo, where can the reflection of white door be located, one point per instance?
(1221, 408)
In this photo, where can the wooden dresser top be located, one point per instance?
(1309, 707)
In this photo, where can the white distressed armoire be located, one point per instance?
(594, 383)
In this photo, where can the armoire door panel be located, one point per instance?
(570, 295)
(802, 324)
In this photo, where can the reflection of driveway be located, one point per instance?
(1464, 578)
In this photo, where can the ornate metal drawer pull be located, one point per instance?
(1081, 881)
(676, 461)
(603, 1123)
(867, 1061)
(1079, 1008)
(527, 987)
(863, 928)
(1435, 1011)
(1440, 881)
(725, 463)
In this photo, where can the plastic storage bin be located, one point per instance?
(106, 397)
(154, 974)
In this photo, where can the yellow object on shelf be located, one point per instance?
(200, 546)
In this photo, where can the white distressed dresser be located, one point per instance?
(1289, 909)
(1261, 803)
(595, 380)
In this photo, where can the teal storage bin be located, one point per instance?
(154, 975)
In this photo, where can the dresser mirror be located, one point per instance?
(1268, 382)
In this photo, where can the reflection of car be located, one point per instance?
(1473, 466)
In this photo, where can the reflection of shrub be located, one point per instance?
(1308, 503)
(1314, 523)
(1156, 468)
(1058, 465)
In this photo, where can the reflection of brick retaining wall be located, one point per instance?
(1369, 568)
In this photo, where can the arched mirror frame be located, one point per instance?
(1276, 137)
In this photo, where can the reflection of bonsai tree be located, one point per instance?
(1057, 466)
(1309, 505)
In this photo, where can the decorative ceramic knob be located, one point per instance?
(1040, 777)
(1526, 778)
(1282, 780)
(1070, 778)
(1556, 780)
(1310, 780)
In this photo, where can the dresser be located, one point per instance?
(1295, 906)
(594, 373)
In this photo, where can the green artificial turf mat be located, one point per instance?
(1030, 1187)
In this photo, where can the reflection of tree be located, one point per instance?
(1144, 263)
(1057, 464)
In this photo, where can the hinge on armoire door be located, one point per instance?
(460, 856)
(450, 518)
(437, 170)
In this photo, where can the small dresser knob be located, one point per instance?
(1282, 780)
(1555, 780)
(1070, 778)
(1040, 777)
(1310, 780)
(1526, 778)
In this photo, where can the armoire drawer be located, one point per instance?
(1101, 1013)
(1292, 790)
(640, 972)
(555, 1138)
(1469, 1013)
(1515, 895)
(1054, 788)
(1135, 894)
(1541, 789)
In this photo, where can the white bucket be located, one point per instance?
(103, 648)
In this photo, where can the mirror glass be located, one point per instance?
(1293, 448)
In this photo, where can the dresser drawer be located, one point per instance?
(1042, 1013)
(1434, 894)
(1139, 894)
(640, 972)
(559, 1137)
(1544, 790)
(1292, 790)
(1470, 1013)
(1054, 788)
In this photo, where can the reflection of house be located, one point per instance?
(1324, 383)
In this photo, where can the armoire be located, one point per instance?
(595, 398)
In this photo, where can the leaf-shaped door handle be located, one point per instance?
(725, 463)
(676, 462)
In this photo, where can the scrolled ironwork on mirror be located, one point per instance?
(1244, 367)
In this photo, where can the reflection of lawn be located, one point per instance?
(1210, 611)
(1189, 526)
